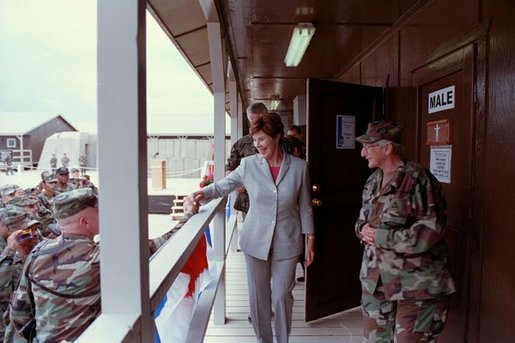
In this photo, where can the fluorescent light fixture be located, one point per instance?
(275, 102)
(302, 34)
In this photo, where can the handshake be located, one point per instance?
(193, 201)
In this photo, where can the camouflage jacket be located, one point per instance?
(59, 189)
(244, 147)
(61, 279)
(409, 257)
(11, 265)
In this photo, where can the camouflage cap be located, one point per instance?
(61, 170)
(8, 189)
(23, 201)
(383, 129)
(69, 203)
(48, 176)
(17, 219)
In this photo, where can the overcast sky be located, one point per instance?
(48, 64)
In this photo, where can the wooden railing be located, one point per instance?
(164, 267)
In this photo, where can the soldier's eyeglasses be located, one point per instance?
(381, 143)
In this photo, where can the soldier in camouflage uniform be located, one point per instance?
(8, 192)
(13, 253)
(49, 183)
(59, 291)
(83, 163)
(63, 178)
(65, 160)
(53, 163)
(404, 275)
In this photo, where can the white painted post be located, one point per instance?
(217, 69)
(123, 198)
(233, 97)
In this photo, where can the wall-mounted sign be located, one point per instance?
(345, 132)
(439, 132)
(442, 99)
(440, 163)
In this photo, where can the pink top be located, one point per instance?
(275, 172)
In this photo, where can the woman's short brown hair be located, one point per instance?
(270, 124)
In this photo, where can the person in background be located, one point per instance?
(244, 147)
(404, 276)
(58, 295)
(294, 131)
(49, 183)
(298, 147)
(294, 135)
(75, 179)
(65, 160)
(63, 178)
(8, 164)
(279, 213)
(83, 163)
(8, 192)
(53, 163)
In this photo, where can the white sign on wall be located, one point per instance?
(440, 162)
(442, 99)
(345, 132)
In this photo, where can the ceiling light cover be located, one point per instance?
(301, 36)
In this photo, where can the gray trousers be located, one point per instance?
(262, 295)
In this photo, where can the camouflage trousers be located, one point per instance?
(402, 320)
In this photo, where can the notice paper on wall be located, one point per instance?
(440, 162)
(345, 132)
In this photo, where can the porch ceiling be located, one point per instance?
(258, 34)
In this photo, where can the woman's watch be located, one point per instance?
(310, 235)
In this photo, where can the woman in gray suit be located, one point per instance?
(280, 212)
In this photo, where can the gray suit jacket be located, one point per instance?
(279, 212)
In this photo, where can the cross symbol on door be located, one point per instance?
(437, 132)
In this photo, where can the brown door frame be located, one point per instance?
(477, 38)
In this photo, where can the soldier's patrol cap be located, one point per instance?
(74, 170)
(62, 170)
(379, 130)
(8, 189)
(17, 219)
(48, 176)
(23, 201)
(69, 203)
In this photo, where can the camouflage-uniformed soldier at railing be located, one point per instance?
(404, 276)
(58, 295)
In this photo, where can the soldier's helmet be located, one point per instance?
(382, 129)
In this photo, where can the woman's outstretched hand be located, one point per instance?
(196, 197)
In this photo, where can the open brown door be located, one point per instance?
(336, 113)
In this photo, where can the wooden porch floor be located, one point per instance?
(339, 328)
